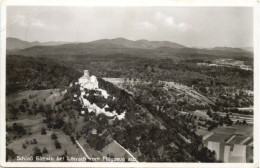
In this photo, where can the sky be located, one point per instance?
(189, 26)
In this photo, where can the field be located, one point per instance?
(48, 96)
(193, 95)
(235, 116)
(235, 129)
(47, 142)
(112, 150)
(92, 153)
(23, 145)
(189, 91)
(224, 133)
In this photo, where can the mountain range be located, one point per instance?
(143, 44)
(15, 43)
(121, 46)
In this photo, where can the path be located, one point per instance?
(231, 138)
(83, 150)
(126, 151)
(207, 135)
(244, 141)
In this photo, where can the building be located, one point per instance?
(91, 83)
(94, 131)
(230, 153)
(88, 82)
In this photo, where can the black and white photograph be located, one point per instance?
(139, 84)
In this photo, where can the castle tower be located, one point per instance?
(86, 73)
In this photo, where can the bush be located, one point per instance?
(44, 150)
(34, 141)
(72, 139)
(43, 131)
(36, 152)
(10, 154)
(54, 136)
(24, 101)
(18, 129)
(22, 108)
(57, 144)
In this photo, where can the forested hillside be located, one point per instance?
(29, 73)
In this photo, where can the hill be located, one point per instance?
(122, 46)
(231, 49)
(30, 73)
(16, 44)
(143, 44)
(69, 51)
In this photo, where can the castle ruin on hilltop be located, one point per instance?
(88, 82)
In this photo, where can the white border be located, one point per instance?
(184, 3)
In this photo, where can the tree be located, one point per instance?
(77, 135)
(34, 141)
(41, 108)
(18, 129)
(27, 105)
(34, 105)
(72, 139)
(54, 136)
(57, 144)
(10, 154)
(24, 101)
(58, 122)
(221, 122)
(14, 112)
(22, 108)
(209, 113)
(205, 155)
(44, 150)
(65, 156)
(36, 152)
(29, 111)
(43, 131)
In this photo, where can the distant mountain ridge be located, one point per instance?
(228, 49)
(17, 44)
(232, 49)
(119, 46)
(143, 44)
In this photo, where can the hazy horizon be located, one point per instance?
(202, 27)
(126, 39)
